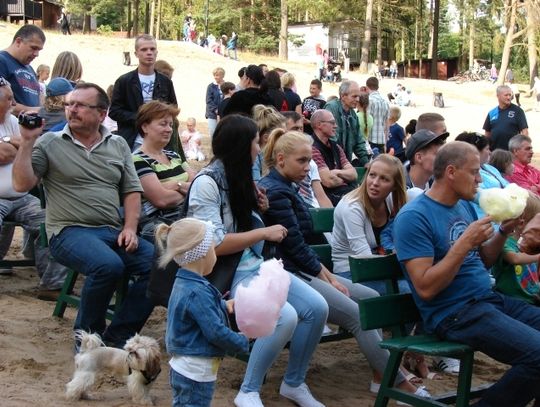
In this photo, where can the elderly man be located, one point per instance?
(525, 175)
(446, 252)
(88, 175)
(348, 129)
(505, 120)
(338, 176)
(22, 207)
(15, 66)
(138, 87)
(378, 108)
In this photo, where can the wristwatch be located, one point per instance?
(5, 139)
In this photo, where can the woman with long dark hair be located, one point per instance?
(255, 93)
(226, 196)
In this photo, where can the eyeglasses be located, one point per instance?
(3, 82)
(78, 105)
(444, 135)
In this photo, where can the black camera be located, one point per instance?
(30, 120)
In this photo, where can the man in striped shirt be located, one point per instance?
(378, 108)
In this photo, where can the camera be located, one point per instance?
(30, 120)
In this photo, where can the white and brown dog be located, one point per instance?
(139, 361)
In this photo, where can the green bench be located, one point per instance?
(393, 312)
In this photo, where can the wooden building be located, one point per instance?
(44, 13)
(446, 68)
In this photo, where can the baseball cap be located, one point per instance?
(58, 87)
(421, 139)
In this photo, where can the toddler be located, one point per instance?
(198, 333)
(43, 72)
(396, 134)
(191, 141)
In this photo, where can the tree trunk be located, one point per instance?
(158, 24)
(366, 43)
(135, 18)
(431, 30)
(379, 31)
(252, 20)
(283, 48)
(129, 21)
(532, 24)
(435, 40)
(152, 16)
(146, 17)
(471, 42)
(511, 8)
(86, 23)
(416, 38)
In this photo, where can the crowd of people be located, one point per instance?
(114, 169)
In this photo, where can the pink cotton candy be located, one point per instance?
(258, 304)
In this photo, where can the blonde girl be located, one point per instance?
(198, 333)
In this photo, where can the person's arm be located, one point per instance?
(24, 176)
(359, 148)
(132, 210)
(430, 279)
(520, 258)
(159, 195)
(328, 178)
(118, 110)
(7, 153)
(320, 195)
(530, 237)
(355, 229)
(487, 127)
(19, 108)
(211, 105)
(204, 204)
(347, 172)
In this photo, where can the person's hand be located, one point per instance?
(477, 233)
(128, 239)
(530, 238)
(230, 306)
(31, 135)
(508, 226)
(340, 287)
(262, 199)
(275, 233)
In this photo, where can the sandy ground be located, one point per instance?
(37, 360)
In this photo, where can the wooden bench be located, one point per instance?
(393, 312)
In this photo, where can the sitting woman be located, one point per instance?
(165, 178)
(288, 154)
(364, 217)
(226, 196)
(267, 119)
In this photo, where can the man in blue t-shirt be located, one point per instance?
(445, 252)
(505, 120)
(15, 66)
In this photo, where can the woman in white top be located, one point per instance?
(363, 218)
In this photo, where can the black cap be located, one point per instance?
(421, 139)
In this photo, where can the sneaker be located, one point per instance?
(300, 395)
(48, 295)
(251, 399)
(374, 387)
(446, 365)
(421, 392)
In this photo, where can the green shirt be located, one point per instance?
(83, 187)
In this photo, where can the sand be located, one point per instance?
(36, 360)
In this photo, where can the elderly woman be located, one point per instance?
(165, 178)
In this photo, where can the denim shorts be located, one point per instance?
(189, 393)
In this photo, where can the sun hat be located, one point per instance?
(58, 87)
(421, 139)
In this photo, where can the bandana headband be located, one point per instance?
(199, 251)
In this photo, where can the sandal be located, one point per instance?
(416, 364)
(412, 378)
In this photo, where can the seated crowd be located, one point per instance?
(275, 156)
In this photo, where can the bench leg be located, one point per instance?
(390, 374)
(65, 296)
(464, 380)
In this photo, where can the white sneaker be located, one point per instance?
(300, 395)
(446, 365)
(420, 391)
(251, 399)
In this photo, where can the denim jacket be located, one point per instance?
(197, 323)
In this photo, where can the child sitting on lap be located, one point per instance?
(191, 141)
(198, 333)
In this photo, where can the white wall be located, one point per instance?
(313, 34)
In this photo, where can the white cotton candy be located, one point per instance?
(503, 203)
(257, 305)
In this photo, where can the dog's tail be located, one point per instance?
(88, 341)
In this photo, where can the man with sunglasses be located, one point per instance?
(347, 132)
(15, 66)
(90, 180)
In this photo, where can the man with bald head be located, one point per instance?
(445, 252)
(505, 120)
(348, 129)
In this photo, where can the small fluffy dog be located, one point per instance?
(139, 361)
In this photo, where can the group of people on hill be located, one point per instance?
(110, 197)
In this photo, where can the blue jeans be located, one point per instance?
(212, 124)
(94, 252)
(301, 322)
(507, 330)
(189, 393)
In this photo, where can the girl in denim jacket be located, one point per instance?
(198, 332)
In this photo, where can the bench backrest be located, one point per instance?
(323, 219)
(324, 251)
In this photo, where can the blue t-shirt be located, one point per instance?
(395, 139)
(22, 78)
(426, 228)
(504, 124)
